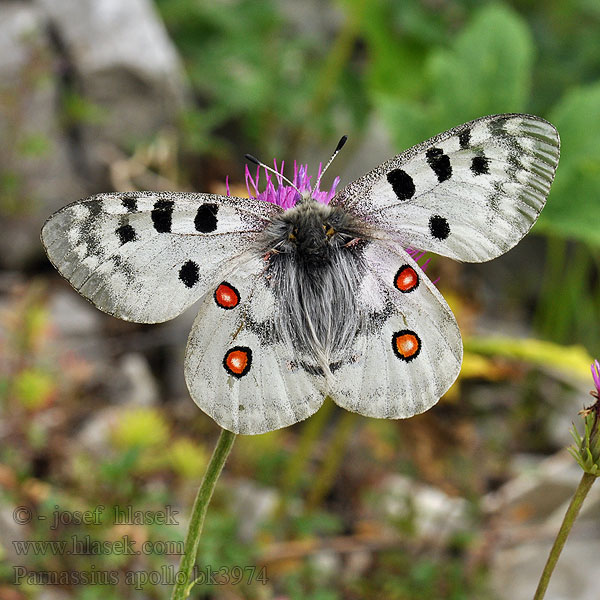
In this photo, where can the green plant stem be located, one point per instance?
(336, 60)
(311, 431)
(183, 584)
(335, 454)
(580, 493)
(332, 68)
(548, 308)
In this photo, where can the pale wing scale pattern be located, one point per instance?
(275, 392)
(483, 183)
(376, 382)
(146, 256)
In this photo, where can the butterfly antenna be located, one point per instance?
(340, 145)
(255, 160)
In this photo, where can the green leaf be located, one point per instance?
(396, 61)
(486, 70)
(408, 122)
(489, 68)
(570, 360)
(573, 209)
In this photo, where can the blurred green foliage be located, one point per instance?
(486, 69)
(140, 428)
(574, 209)
(396, 577)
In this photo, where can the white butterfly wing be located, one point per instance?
(146, 256)
(410, 350)
(470, 193)
(236, 368)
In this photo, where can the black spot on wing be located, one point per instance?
(480, 165)
(189, 273)
(126, 233)
(88, 228)
(402, 184)
(206, 218)
(464, 139)
(94, 207)
(439, 163)
(129, 203)
(439, 228)
(162, 215)
(497, 127)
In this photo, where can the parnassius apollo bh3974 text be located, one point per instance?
(319, 298)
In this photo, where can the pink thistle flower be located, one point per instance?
(277, 192)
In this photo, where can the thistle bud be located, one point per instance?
(586, 450)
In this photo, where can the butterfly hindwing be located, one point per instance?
(237, 369)
(409, 352)
(146, 256)
(470, 193)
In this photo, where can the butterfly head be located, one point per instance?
(305, 196)
(312, 231)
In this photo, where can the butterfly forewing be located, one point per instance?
(237, 369)
(409, 352)
(145, 256)
(470, 193)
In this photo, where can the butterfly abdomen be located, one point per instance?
(315, 268)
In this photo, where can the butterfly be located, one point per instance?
(319, 298)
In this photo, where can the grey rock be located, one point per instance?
(253, 504)
(142, 389)
(175, 335)
(565, 412)
(36, 173)
(129, 385)
(72, 315)
(10, 531)
(537, 491)
(530, 509)
(325, 566)
(431, 512)
(374, 147)
(117, 58)
(517, 571)
(94, 435)
(126, 65)
(313, 18)
(52, 595)
(357, 564)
